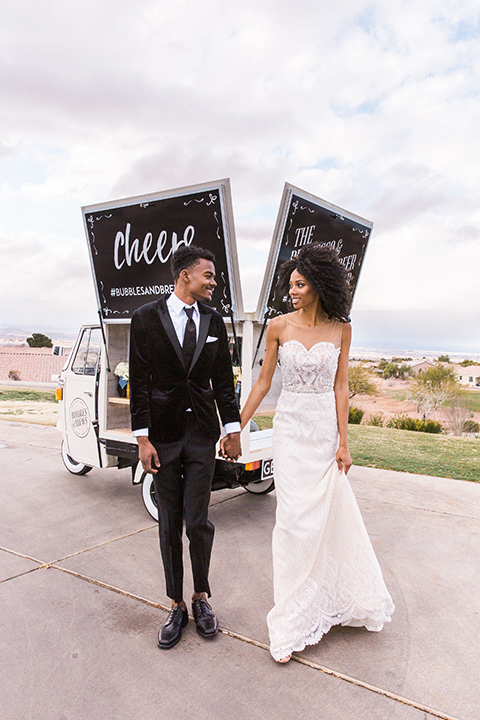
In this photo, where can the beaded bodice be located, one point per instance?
(308, 371)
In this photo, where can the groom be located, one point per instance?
(180, 373)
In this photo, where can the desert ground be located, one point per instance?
(390, 402)
(42, 413)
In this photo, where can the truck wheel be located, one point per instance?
(148, 491)
(72, 465)
(260, 487)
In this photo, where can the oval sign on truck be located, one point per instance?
(80, 418)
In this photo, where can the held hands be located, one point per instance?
(344, 461)
(230, 447)
(147, 454)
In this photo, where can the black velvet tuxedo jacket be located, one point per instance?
(161, 388)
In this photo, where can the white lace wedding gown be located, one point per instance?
(325, 569)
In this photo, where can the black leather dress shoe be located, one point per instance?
(171, 632)
(207, 623)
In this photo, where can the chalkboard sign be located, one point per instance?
(304, 219)
(131, 242)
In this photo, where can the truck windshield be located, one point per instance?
(88, 352)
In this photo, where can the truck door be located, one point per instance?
(81, 399)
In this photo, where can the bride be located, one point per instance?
(325, 569)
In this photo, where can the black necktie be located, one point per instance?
(190, 338)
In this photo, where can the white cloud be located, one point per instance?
(372, 106)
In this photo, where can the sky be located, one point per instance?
(372, 106)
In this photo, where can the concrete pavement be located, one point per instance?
(81, 596)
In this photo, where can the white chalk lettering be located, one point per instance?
(125, 251)
(348, 262)
(303, 235)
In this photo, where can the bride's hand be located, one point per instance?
(343, 458)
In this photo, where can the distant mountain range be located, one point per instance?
(15, 333)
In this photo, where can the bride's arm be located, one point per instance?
(344, 461)
(264, 381)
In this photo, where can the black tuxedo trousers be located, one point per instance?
(182, 488)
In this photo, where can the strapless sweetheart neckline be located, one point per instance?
(321, 342)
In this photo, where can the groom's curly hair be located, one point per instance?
(321, 267)
(188, 256)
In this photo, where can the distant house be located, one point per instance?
(30, 364)
(421, 365)
(468, 375)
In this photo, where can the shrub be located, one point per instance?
(376, 420)
(429, 426)
(470, 426)
(14, 375)
(404, 422)
(355, 415)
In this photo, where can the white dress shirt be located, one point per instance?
(179, 319)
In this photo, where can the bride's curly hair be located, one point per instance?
(321, 267)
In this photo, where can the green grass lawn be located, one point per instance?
(415, 452)
(10, 394)
(473, 400)
(406, 451)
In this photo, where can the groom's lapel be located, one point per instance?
(170, 330)
(202, 335)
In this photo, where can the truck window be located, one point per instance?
(93, 353)
(88, 352)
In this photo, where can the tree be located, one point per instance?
(38, 340)
(361, 381)
(433, 388)
(468, 363)
(444, 358)
(457, 412)
(388, 369)
(393, 369)
(404, 371)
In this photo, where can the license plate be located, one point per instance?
(267, 469)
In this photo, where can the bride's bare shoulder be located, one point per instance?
(277, 325)
(277, 322)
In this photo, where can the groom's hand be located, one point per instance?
(230, 446)
(147, 454)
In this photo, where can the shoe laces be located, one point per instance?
(174, 611)
(203, 605)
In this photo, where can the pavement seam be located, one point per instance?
(106, 542)
(347, 678)
(112, 588)
(262, 646)
(27, 572)
(229, 499)
(418, 507)
(19, 554)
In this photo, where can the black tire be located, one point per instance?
(260, 487)
(72, 465)
(148, 491)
